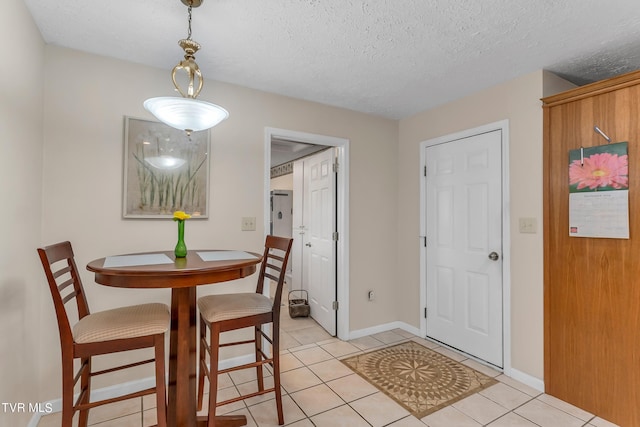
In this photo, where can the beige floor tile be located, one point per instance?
(403, 333)
(148, 402)
(252, 387)
(250, 421)
(480, 408)
(379, 410)
(409, 421)
(487, 370)
(352, 387)
(425, 342)
(225, 394)
(133, 420)
(149, 418)
(329, 341)
(518, 385)
(546, 415)
(506, 396)
(302, 347)
(51, 420)
(310, 335)
(245, 375)
(565, 407)
(330, 370)
(388, 337)
(599, 422)
(449, 417)
(288, 362)
(115, 410)
(450, 354)
(340, 348)
(512, 420)
(302, 423)
(265, 414)
(312, 355)
(343, 416)
(287, 341)
(366, 343)
(298, 379)
(316, 399)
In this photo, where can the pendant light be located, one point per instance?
(187, 113)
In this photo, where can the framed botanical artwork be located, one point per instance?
(165, 170)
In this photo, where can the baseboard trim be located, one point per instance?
(526, 379)
(384, 328)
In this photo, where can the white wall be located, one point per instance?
(282, 182)
(21, 285)
(83, 176)
(74, 192)
(519, 101)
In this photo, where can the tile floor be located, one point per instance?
(318, 390)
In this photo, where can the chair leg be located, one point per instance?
(67, 391)
(258, 348)
(275, 349)
(214, 344)
(161, 390)
(202, 362)
(85, 386)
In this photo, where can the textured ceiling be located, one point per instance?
(391, 58)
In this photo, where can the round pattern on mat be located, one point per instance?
(420, 379)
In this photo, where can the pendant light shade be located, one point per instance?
(186, 112)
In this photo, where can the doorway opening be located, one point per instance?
(282, 148)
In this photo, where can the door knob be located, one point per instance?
(308, 244)
(493, 256)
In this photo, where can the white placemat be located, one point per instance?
(141, 259)
(225, 255)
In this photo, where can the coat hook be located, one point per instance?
(581, 156)
(597, 129)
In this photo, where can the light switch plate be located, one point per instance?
(248, 223)
(528, 225)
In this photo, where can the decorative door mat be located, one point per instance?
(419, 379)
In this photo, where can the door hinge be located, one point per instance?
(425, 171)
(335, 305)
(425, 312)
(335, 236)
(335, 167)
(424, 240)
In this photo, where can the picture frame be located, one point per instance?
(165, 170)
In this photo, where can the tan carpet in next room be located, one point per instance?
(419, 379)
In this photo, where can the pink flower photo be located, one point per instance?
(600, 171)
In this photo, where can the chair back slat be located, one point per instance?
(278, 249)
(62, 276)
(271, 276)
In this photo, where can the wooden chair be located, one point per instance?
(221, 313)
(109, 331)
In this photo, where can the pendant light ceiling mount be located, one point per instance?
(187, 113)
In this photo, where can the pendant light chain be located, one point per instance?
(189, 34)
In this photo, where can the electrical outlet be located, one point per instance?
(248, 223)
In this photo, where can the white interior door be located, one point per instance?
(319, 248)
(464, 245)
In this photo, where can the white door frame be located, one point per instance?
(342, 262)
(503, 126)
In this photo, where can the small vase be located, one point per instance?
(181, 249)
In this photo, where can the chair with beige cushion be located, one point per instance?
(227, 312)
(109, 331)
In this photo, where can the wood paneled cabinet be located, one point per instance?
(592, 285)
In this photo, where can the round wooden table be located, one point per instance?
(182, 275)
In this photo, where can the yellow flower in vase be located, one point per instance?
(181, 248)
